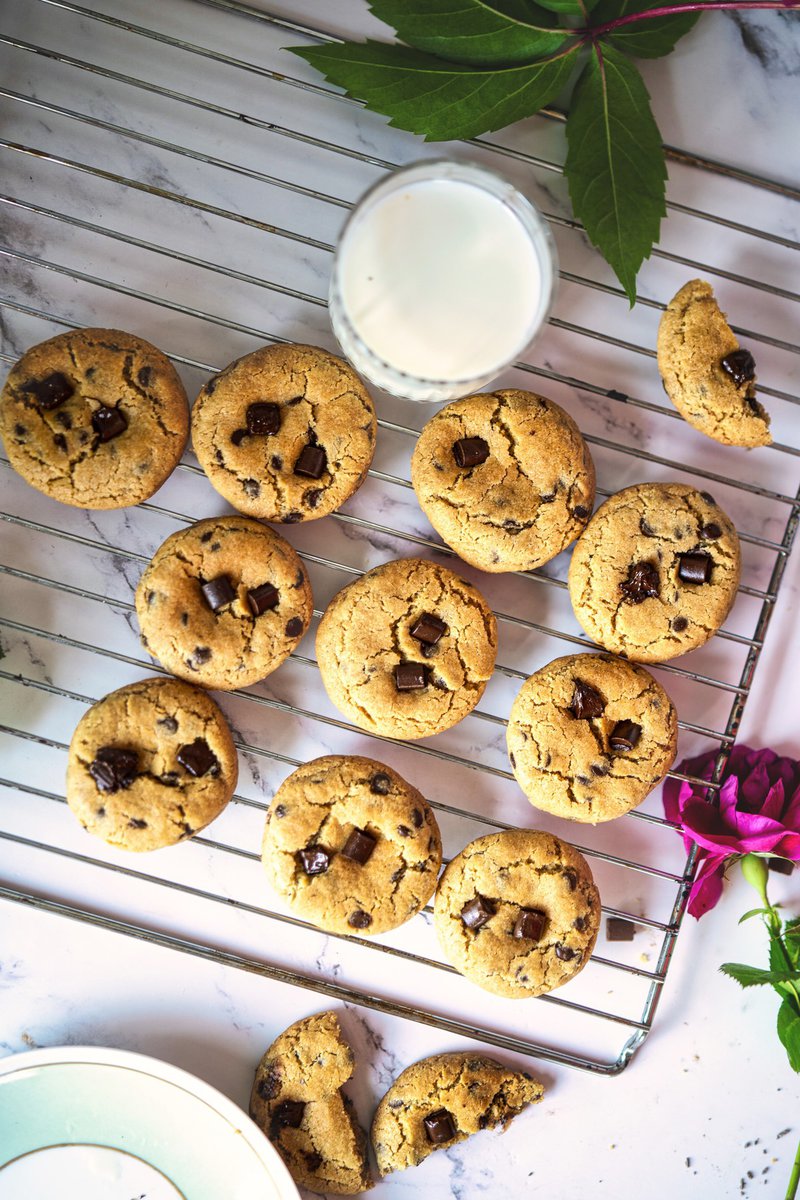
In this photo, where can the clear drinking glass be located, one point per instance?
(442, 276)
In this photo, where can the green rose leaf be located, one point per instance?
(791, 939)
(443, 101)
(615, 163)
(757, 976)
(474, 31)
(572, 8)
(789, 1032)
(753, 912)
(643, 39)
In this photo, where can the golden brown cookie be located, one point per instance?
(656, 571)
(505, 478)
(96, 418)
(709, 378)
(407, 650)
(223, 602)
(440, 1101)
(351, 846)
(150, 765)
(286, 433)
(589, 736)
(517, 912)
(297, 1100)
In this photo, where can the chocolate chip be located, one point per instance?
(287, 1115)
(184, 618)
(619, 930)
(238, 436)
(60, 441)
(547, 498)
(276, 462)
(646, 528)
(613, 394)
(695, 568)
(530, 924)
(263, 419)
(145, 376)
(109, 422)
(599, 769)
(218, 592)
(252, 488)
(380, 784)
(280, 810)
(642, 582)
(197, 758)
(580, 511)
(710, 532)
(571, 878)
(49, 392)
(207, 536)
(781, 866)
(586, 701)
(624, 736)
(470, 452)
(404, 831)
(439, 1126)
(428, 629)
(294, 627)
(477, 912)
(64, 420)
(263, 597)
(170, 779)
(580, 924)
(679, 624)
(169, 723)
(100, 812)
(311, 462)
(740, 365)
(359, 919)
(563, 952)
(314, 860)
(359, 846)
(20, 431)
(313, 1160)
(708, 498)
(136, 823)
(269, 1086)
(113, 768)
(410, 677)
(417, 818)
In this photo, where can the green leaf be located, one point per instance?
(753, 912)
(789, 1032)
(503, 32)
(615, 163)
(756, 976)
(573, 8)
(647, 38)
(442, 100)
(791, 939)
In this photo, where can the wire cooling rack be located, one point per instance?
(163, 167)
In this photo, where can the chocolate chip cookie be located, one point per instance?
(656, 571)
(150, 764)
(517, 912)
(589, 736)
(707, 375)
(96, 418)
(505, 478)
(286, 433)
(439, 1101)
(297, 1100)
(351, 846)
(407, 650)
(223, 602)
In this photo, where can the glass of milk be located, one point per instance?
(442, 276)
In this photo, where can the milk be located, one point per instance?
(442, 277)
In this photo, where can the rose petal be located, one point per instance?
(774, 802)
(754, 787)
(728, 799)
(788, 847)
(707, 887)
(791, 816)
(670, 798)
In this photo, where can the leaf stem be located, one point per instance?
(671, 10)
(794, 1178)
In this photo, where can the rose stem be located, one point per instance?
(794, 1178)
(671, 10)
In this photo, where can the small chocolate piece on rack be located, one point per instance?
(359, 846)
(695, 568)
(263, 419)
(109, 423)
(218, 592)
(530, 924)
(314, 860)
(477, 912)
(642, 582)
(470, 452)
(619, 930)
(311, 462)
(624, 736)
(410, 677)
(439, 1126)
(428, 629)
(740, 365)
(197, 758)
(586, 701)
(263, 597)
(113, 768)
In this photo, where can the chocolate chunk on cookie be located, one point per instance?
(377, 629)
(707, 376)
(286, 433)
(543, 912)
(223, 602)
(590, 735)
(150, 764)
(656, 571)
(80, 425)
(351, 846)
(505, 478)
(441, 1101)
(298, 1102)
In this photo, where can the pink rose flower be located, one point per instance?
(758, 813)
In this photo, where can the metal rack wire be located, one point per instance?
(45, 526)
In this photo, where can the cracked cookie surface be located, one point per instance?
(286, 433)
(517, 912)
(328, 816)
(526, 500)
(95, 418)
(366, 635)
(693, 341)
(589, 736)
(150, 765)
(223, 602)
(297, 1100)
(473, 1091)
(656, 572)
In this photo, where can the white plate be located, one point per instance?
(85, 1123)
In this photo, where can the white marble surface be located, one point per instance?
(705, 1100)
